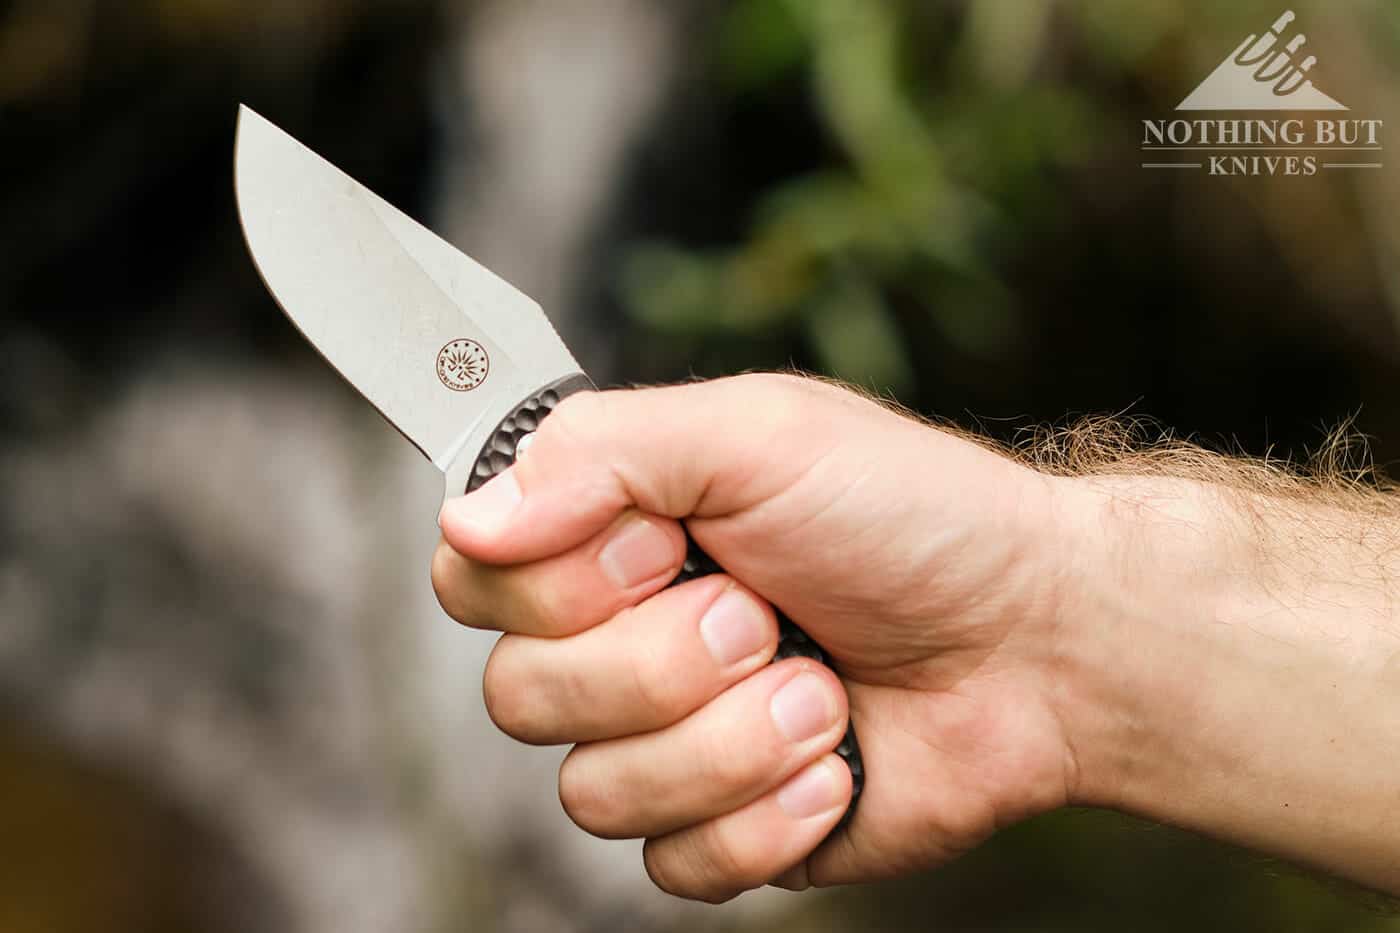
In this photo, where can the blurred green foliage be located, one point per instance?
(959, 140)
(932, 167)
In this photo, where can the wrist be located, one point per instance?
(1143, 586)
(1227, 666)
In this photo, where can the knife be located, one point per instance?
(460, 362)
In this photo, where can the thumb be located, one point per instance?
(702, 449)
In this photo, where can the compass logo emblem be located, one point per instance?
(463, 365)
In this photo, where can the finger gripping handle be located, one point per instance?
(500, 452)
(792, 643)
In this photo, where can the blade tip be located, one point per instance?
(249, 123)
(248, 117)
(245, 113)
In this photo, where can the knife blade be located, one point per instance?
(464, 365)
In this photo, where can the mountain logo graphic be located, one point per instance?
(1263, 74)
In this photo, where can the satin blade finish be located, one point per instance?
(439, 344)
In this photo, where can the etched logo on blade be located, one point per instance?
(463, 365)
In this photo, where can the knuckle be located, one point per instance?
(735, 859)
(787, 401)
(672, 866)
(448, 582)
(593, 805)
(496, 599)
(700, 863)
(441, 572)
(779, 381)
(658, 866)
(510, 700)
(785, 388)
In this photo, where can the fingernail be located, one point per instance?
(811, 793)
(802, 708)
(733, 628)
(640, 552)
(486, 511)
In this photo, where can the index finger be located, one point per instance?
(682, 451)
(634, 557)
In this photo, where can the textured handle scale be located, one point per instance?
(500, 452)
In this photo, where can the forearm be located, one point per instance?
(1232, 665)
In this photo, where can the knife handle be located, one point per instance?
(500, 452)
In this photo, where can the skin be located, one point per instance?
(1007, 642)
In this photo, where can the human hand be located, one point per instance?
(924, 564)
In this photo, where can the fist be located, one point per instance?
(924, 564)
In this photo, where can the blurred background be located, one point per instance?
(228, 700)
